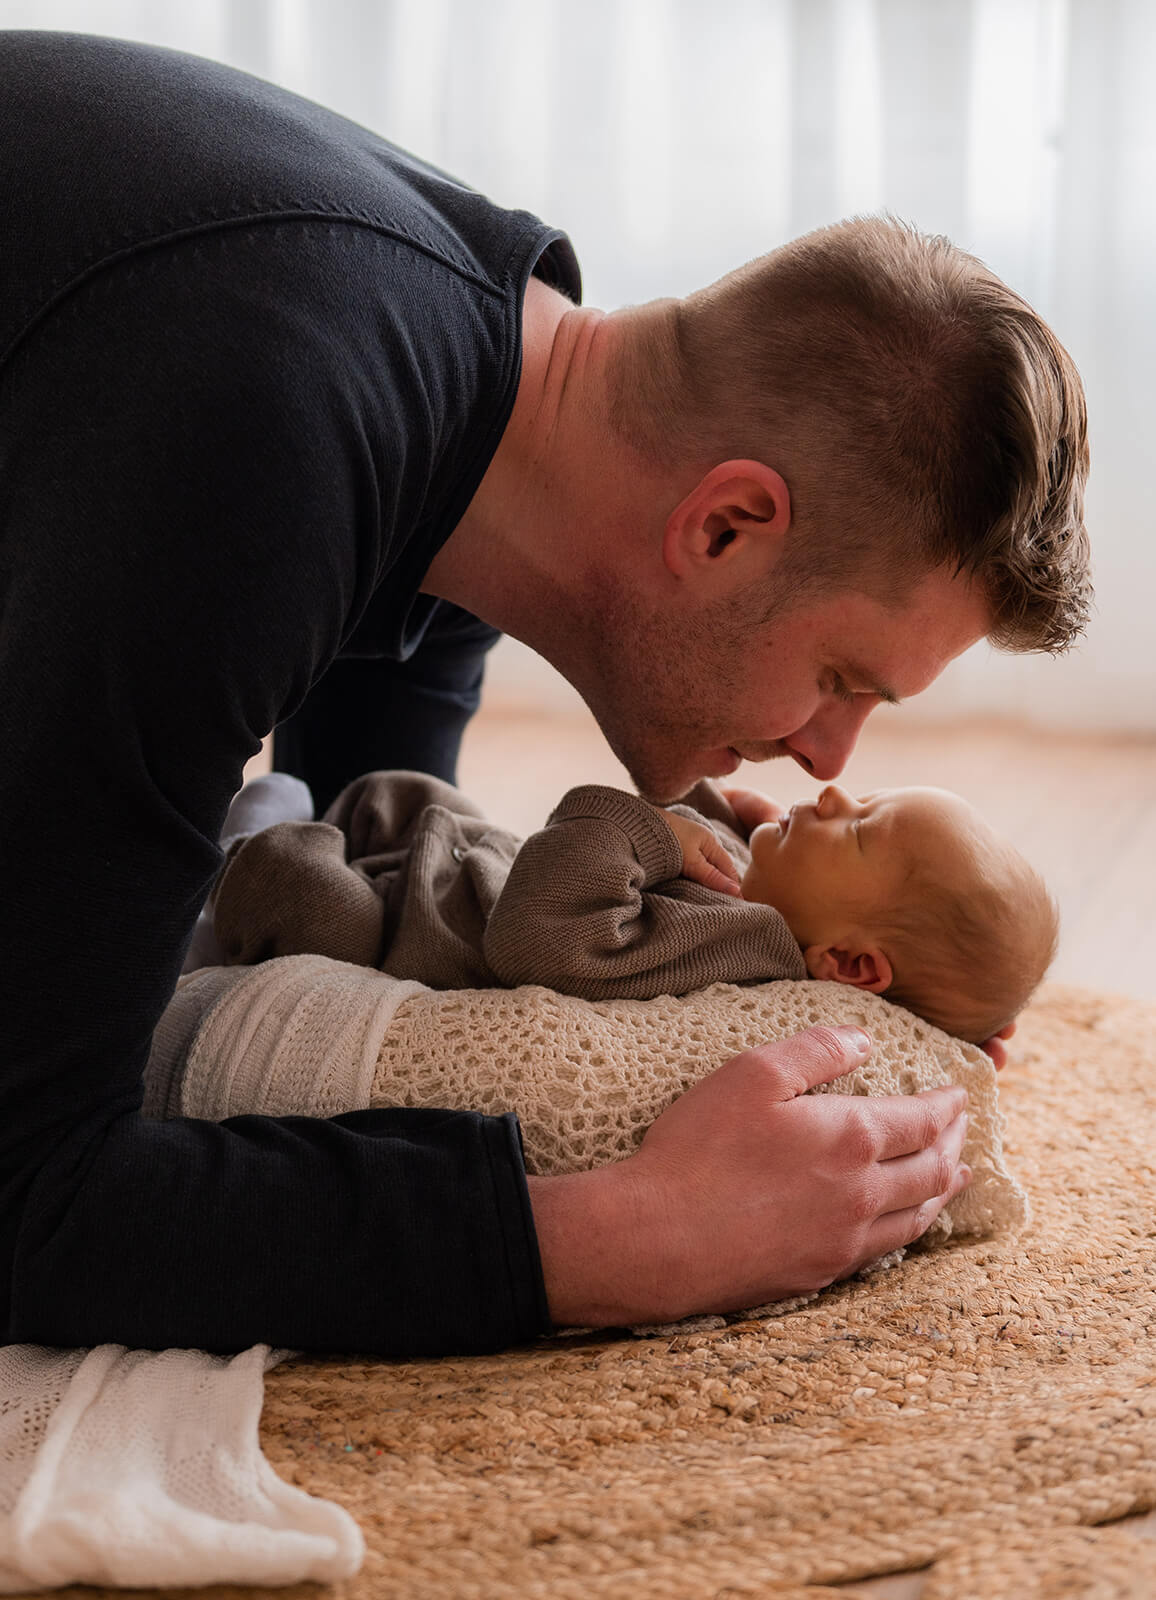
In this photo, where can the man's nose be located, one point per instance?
(823, 745)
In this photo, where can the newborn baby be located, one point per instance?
(905, 892)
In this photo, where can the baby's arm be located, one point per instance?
(595, 906)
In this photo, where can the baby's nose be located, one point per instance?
(833, 801)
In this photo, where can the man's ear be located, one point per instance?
(737, 509)
(864, 966)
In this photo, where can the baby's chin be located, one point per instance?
(753, 888)
(757, 878)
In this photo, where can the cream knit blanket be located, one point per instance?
(304, 1035)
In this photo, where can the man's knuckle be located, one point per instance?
(943, 1171)
(927, 1125)
(864, 1203)
(921, 1219)
(860, 1140)
(781, 1079)
(828, 1043)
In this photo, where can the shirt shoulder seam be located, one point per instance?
(76, 277)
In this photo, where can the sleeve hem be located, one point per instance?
(651, 836)
(529, 1308)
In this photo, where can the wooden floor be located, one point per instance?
(1082, 809)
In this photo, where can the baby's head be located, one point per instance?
(909, 893)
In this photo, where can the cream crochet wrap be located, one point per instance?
(304, 1035)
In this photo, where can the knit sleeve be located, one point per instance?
(188, 522)
(594, 907)
(706, 803)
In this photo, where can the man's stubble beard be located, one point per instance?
(666, 689)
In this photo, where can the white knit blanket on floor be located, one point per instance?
(142, 1468)
(138, 1468)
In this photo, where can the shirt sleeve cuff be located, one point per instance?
(651, 837)
(529, 1308)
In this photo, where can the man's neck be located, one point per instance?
(534, 518)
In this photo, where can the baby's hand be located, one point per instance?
(704, 857)
(996, 1048)
(752, 807)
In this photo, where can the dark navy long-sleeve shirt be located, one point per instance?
(253, 364)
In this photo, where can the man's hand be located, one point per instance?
(704, 857)
(748, 1190)
(752, 807)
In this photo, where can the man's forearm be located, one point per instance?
(396, 1232)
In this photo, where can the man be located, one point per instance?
(291, 424)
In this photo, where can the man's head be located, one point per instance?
(865, 414)
(859, 452)
(909, 893)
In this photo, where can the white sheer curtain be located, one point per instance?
(675, 138)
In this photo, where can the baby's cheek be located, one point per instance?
(754, 883)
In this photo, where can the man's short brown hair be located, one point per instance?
(921, 412)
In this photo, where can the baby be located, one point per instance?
(906, 892)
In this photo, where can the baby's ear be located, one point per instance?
(864, 966)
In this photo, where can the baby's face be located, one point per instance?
(831, 866)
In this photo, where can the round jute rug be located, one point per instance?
(973, 1412)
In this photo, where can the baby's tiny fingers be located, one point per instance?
(711, 878)
(720, 857)
(752, 807)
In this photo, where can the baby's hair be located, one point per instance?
(968, 956)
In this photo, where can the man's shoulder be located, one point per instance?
(113, 148)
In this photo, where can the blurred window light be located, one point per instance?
(674, 139)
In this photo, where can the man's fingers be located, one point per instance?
(996, 1048)
(902, 1125)
(908, 1181)
(817, 1056)
(896, 1229)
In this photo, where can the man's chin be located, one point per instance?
(656, 780)
(662, 782)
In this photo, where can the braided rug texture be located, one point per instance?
(976, 1411)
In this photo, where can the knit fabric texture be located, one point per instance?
(404, 873)
(133, 1467)
(303, 1035)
